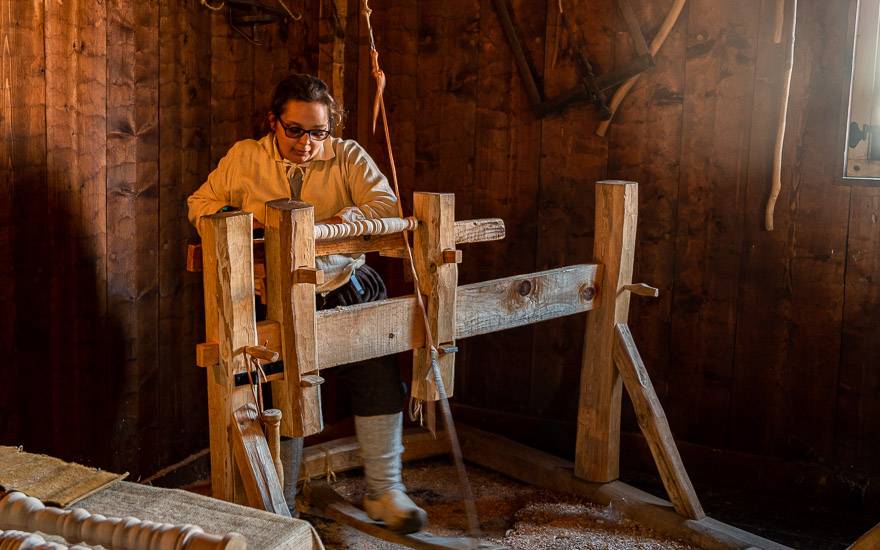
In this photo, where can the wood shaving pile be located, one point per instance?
(511, 514)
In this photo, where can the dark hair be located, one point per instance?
(305, 87)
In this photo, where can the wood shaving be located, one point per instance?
(512, 514)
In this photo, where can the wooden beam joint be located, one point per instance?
(452, 256)
(308, 275)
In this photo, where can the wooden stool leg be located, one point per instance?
(227, 249)
(655, 427)
(597, 455)
(438, 280)
(290, 259)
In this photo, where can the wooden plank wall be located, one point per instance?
(762, 343)
(111, 114)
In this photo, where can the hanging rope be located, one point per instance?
(434, 371)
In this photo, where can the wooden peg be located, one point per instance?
(310, 381)
(263, 353)
(194, 258)
(308, 275)
(447, 348)
(452, 256)
(643, 290)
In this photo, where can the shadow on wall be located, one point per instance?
(60, 385)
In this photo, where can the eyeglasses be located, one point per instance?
(295, 132)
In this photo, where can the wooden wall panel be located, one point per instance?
(857, 419)
(132, 211)
(644, 145)
(792, 304)
(506, 179)
(76, 158)
(184, 126)
(22, 58)
(720, 66)
(396, 27)
(761, 342)
(573, 158)
(232, 90)
(10, 416)
(106, 118)
(447, 134)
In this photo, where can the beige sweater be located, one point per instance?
(341, 180)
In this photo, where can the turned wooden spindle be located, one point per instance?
(272, 429)
(380, 226)
(19, 540)
(21, 512)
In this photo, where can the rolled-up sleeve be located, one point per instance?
(214, 193)
(369, 188)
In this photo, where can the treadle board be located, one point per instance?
(323, 501)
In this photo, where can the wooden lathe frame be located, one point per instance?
(310, 341)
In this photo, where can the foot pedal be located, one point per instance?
(323, 501)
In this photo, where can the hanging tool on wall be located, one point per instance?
(253, 14)
(661, 36)
(776, 185)
(591, 87)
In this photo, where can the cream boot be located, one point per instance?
(380, 438)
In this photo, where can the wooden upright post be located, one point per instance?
(227, 249)
(434, 256)
(291, 278)
(597, 455)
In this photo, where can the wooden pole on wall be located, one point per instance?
(598, 430)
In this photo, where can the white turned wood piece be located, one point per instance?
(380, 226)
(272, 427)
(19, 540)
(21, 512)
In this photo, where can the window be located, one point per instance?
(863, 125)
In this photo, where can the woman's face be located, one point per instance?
(297, 116)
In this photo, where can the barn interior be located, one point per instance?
(689, 185)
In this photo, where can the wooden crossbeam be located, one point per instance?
(356, 333)
(466, 232)
(654, 426)
(500, 304)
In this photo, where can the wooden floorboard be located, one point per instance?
(545, 470)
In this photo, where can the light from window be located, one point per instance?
(863, 129)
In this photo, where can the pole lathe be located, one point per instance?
(310, 340)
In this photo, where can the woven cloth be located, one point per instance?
(262, 529)
(50, 479)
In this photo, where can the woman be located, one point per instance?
(299, 159)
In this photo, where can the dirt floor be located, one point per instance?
(511, 514)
